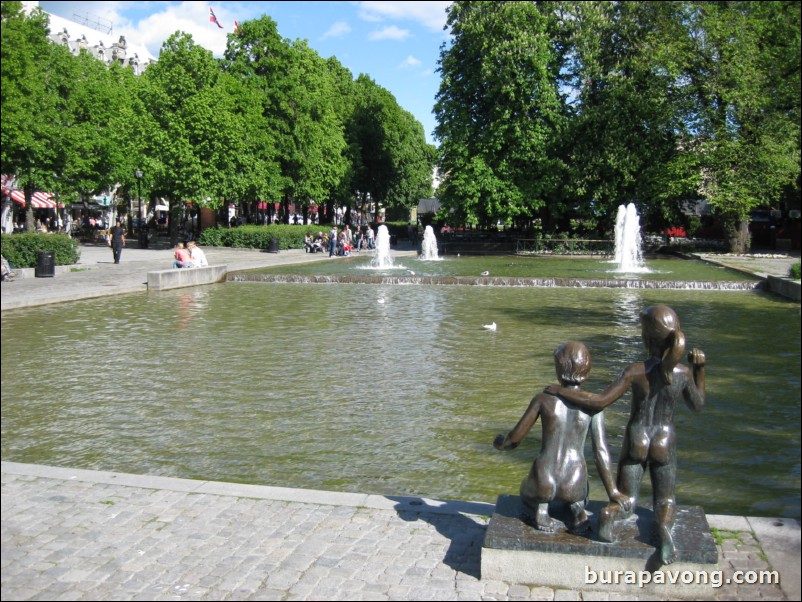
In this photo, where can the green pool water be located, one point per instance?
(322, 386)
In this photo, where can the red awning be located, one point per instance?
(43, 200)
(16, 195)
(39, 200)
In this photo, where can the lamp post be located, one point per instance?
(143, 232)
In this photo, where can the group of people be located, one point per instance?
(340, 242)
(315, 244)
(189, 255)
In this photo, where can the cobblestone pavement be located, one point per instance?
(87, 535)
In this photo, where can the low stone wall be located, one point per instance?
(163, 280)
(22, 273)
(785, 287)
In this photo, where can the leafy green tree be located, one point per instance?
(313, 149)
(95, 138)
(33, 93)
(623, 126)
(344, 194)
(662, 103)
(194, 142)
(391, 161)
(296, 95)
(499, 112)
(743, 72)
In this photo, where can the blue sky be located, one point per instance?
(397, 44)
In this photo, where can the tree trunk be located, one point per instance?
(738, 236)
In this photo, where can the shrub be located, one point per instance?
(794, 272)
(258, 237)
(22, 250)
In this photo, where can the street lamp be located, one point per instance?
(143, 233)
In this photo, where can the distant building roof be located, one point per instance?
(107, 47)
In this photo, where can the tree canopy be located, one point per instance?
(549, 109)
(270, 121)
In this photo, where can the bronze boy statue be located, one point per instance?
(559, 473)
(657, 384)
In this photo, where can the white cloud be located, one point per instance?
(338, 30)
(432, 15)
(191, 18)
(409, 63)
(389, 33)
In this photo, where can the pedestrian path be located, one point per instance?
(96, 274)
(70, 534)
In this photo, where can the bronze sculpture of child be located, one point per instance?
(559, 473)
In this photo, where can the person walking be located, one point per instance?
(333, 242)
(117, 240)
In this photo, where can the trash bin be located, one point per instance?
(273, 245)
(45, 265)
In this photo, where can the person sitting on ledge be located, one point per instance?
(197, 256)
(182, 257)
(560, 473)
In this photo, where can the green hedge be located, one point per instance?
(258, 237)
(22, 250)
(795, 271)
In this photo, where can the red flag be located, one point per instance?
(236, 27)
(213, 18)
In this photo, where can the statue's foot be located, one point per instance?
(606, 525)
(581, 527)
(668, 553)
(547, 524)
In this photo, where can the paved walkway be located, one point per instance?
(70, 534)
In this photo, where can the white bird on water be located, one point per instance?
(380, 299)
(490, 326)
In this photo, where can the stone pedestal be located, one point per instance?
(515, 552)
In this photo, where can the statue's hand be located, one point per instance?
(696, 357)
(498, 442)
(622, 500)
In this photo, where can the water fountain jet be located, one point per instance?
(628, 252)
(429, 246)
(382, 259)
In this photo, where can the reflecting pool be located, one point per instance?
(326, 387)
